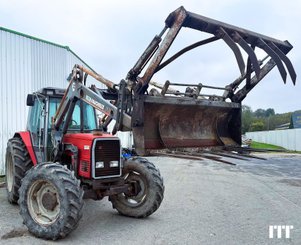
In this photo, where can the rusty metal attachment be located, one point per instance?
(180, 115)
(190, 118)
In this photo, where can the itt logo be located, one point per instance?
(279, 230)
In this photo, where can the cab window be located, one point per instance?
(88, 118)
(36, 120)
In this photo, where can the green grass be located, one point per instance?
(258, 145)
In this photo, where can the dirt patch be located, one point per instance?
(2, 181)
(19, 232)
(292, 182)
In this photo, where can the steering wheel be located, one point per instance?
(73, 122)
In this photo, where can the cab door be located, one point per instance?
(36, 126)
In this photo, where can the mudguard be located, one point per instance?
(25, 136)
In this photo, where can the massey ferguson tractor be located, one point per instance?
(67, 153)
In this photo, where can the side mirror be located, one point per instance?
(30, 100)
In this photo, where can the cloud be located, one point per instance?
(111, 35)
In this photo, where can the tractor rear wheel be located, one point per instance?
(51, 201)
(17, 163)
(150, 189)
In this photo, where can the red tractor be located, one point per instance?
(86, 164)
(66, 155)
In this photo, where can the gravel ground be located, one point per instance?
(205, 202)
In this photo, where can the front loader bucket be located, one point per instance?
(174, 119)
(171, 122)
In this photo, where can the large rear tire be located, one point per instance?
(151, 189)
(51, 201)
(17, 163)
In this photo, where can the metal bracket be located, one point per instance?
(120, 106)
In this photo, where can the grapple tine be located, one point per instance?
(228, 40)
(263, 45)
(254, 61)
(286, 61)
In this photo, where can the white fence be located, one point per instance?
(290, 139)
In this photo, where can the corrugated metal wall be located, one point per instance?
(290, 139)
(26, 65)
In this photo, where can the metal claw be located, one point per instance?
(228, 40)
(286, 61)
(274, 56)
(253, 58)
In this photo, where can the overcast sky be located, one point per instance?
(111, 35)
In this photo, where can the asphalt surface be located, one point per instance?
(205, 202)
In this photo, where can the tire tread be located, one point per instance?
(157, 185)
(74, 197)
(22, 163)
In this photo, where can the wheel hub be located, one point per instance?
(138, 193)
(43, 202)
(49, 201)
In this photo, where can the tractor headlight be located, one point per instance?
(114, 164)
(99, 165)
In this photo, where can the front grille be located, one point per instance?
(107, 150)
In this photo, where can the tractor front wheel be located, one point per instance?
(149, 193)
(51, 201)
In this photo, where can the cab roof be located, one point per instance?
(52, 91)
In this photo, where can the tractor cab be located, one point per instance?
(42, 108)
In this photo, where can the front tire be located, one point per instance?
(51, 201)
(17, 163)
(150, 193)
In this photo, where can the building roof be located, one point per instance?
(44, 41)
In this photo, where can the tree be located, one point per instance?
(269, 112)
(262, 119)
(260, 113)
(247, 117)
(257, 126)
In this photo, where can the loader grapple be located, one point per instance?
(180, 115)
(171, 118)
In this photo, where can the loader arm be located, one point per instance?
(75, 91)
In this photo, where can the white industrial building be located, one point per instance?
(27, 64)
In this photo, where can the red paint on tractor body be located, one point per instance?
(84, 144)
(25, 135)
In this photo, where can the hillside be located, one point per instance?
(262, 119)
